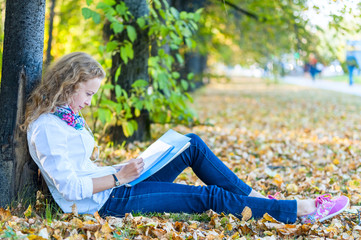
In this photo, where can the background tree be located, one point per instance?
(50, 32)
(132, 69)
(21, 70)
(195, 61)
(154, 86)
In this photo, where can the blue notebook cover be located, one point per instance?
(178, 142)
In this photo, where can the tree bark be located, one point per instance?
(135, 69)
(49, 58)
(21, 71)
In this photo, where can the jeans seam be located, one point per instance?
(200, 150)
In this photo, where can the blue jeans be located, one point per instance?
(224, 192)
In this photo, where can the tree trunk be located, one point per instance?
(194, 61)
(49, 58)
(21, 71)
(135, 69)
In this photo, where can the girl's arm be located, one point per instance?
(127, 173)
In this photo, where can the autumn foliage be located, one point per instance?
(278, 138)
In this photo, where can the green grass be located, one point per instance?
(344, 78)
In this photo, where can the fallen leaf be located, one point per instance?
(28, 211)
(74, 210)
(246, 214)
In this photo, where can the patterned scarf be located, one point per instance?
(67, 114)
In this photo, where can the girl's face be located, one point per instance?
(83, 96)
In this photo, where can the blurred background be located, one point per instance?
(156, 51)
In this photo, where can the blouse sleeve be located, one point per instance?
(50, 144)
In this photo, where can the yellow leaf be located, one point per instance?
(278, 180)
(4, 214)
(246, 214)
(267, 217)
(336, 161)
(235, 235)
(99, 218)
(229, 227)
(35, 237)
(76, 223)
(193, 225)
(268, 233)
(28, 211)
(330, 167)
(292, 188)
(137, 112)
(88, 222)
(106, 228)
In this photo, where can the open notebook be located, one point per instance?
(160, 153)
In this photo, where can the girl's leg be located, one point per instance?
(206, 165)
(147, 197)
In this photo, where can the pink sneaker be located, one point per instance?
(326, 208)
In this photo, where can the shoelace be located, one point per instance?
(321, 199)
(273, 196)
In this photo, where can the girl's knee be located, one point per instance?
(194, 137)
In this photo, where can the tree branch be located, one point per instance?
(249, 14)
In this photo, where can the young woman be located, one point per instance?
(61, 146)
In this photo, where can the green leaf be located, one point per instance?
(141, 22)
(129, 50)
(118, 91)
(188, 42)
(87, 13)
(198, 14)
(105, 115)
(134, 125)
(184, 84)
(103, 5)
(161, 13)
(174, 12)
(117, 73)
(164, 31)
(121, 8)
(111, 46)
(186, 32)
(132, 34)
(119, 108)
(96, 17)
(110, 2)
(179, 58)
(139, 104)
(108, 86)
(175, 75)
(190, 76)
(117, 27)
(123, 54)
(88, 2)
(183, 15)
(189, 97)
(140, 83)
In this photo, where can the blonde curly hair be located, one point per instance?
(60, 82)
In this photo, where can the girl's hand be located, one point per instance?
(130, 171)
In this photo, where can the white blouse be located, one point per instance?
(62, 154)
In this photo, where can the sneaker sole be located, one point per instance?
(336, 213)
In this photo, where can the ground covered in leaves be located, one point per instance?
(278, 138)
